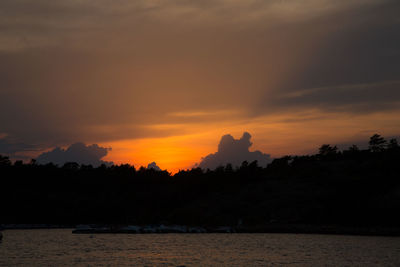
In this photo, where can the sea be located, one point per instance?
(59, 247)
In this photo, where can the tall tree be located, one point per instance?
(377, 143)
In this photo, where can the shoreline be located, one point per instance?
(389, 232)
(183, 229)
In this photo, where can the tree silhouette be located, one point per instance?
(71, 166)
(354, 148)
(5, 161)
(393, 144)
(327, 149)
(377, 143)
(349, 188)
(228, 168)
(244, 165)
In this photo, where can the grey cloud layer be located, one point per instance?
(356, 98)
(108, 70)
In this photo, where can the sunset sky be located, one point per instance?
(163, 80)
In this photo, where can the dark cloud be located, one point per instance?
(10, 147)
(153, 166)
(78, 152)
(234, 151)
(354, 57)
(356, 98)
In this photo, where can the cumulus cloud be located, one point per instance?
(153, 166)
(78, 152)
(234, 151)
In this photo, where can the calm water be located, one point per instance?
(61, 248)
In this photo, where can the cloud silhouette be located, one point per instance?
(78, 152)
(234, 151)
(10, 147)
(153, 166)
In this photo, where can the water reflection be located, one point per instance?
(61, 248)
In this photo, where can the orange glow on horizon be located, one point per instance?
(170, 153)
(272, 135)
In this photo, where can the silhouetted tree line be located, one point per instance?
(351, 187)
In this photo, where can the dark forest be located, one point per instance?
(353, 187)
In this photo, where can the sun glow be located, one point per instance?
(275, 135)
(172, 153)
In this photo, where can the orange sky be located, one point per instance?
(164, 80)
(272, 135)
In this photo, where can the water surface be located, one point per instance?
(62, 248)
